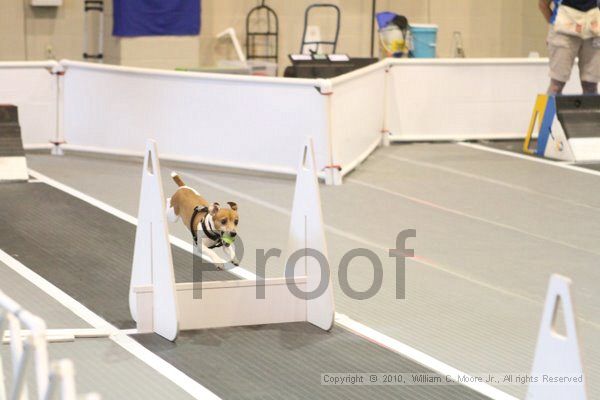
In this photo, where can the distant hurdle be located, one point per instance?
(558, 354)
(160, 305)
(13, 166)
(52, 380)
(568, 128)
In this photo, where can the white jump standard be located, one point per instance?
(558, 355)
(160, 305)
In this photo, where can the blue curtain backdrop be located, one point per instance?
(156, 17)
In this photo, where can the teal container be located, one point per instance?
(424, 40)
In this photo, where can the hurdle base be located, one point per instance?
(560, 137)
(222, 304)
(13, 169)
(576, 150)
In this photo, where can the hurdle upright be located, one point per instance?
(160, 305)
(557, 354)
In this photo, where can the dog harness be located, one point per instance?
(207, 228)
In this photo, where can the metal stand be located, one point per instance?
(89, 7)
(318, 43)
(272, 32)
(373, 15)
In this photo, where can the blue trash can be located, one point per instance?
(424, 40)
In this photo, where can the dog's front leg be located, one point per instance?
(213, 256)
(230, 254)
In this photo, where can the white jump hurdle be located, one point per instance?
(160, 305)
(557, 355)
(50, 379)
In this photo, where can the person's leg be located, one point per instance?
(589, 66)
(589, 87)
(556, 87)
(563, 50)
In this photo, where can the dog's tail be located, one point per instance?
(175, 176)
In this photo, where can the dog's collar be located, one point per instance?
(207, 227)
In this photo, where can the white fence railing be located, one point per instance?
(243, 122)
(461, 99)
(257, 123)
(52, 381)
(356, 115)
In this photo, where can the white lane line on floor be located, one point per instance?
(488, 180)
(376, 245)
(529, 158)
(469, 216)
(418, 356)
(152, 360)
(356, 327)
(82, 196)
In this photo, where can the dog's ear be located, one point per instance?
(214, 209)
(232, 205)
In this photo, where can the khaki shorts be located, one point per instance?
(563, 51)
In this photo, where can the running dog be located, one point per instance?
(211, 225)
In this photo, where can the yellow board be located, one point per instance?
(538, 114)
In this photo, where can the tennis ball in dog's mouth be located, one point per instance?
(228, 240)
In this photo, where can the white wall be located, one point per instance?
(247, 122)
(33, 89)
(465, 99)
(490, 28)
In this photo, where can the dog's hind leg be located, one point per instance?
(171, 216)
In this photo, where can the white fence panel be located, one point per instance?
(241, 122)
(448, 99)
(257, 123)
(357, 115)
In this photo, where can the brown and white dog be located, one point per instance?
(208, 223)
